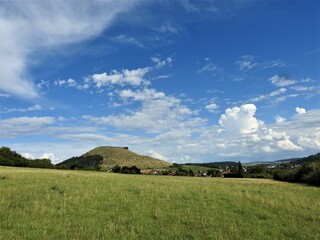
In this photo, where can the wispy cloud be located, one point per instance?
(281, 81)
(209, 67)
(29, 109)
(169, 28)
(36, 25)
(246, 62)
(269, 96)
(124, 39)
(273, 64)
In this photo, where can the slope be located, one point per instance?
(122, 156)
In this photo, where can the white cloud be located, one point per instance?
(29, 109)
(131, 77)
(50, 156)
(124, 39)
(273, 64)
(307, 80)
(267, 149)
(169, 28)
(269, 96)
(212, 107)
(300, 110)
(311, 141)
(28, 156)
(161, 63)
(283, 98)
(155, 154)
(286, 144)
(71, 83)
(210, 67)
(12, 127)
(278, 81)
(303, 88)
(5, 95)
(240, 120)
(280, 119)
(158, 112)
(145, 94)
(87, 137)
(278, 92)
(246, 62)
(42, 25)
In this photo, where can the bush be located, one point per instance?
(126, 170)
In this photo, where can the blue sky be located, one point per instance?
(183, 81)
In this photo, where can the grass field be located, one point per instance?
(58, 204)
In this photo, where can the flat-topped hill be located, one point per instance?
(112, 156)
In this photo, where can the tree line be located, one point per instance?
(14, 159)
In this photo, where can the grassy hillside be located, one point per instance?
(53, 204)
(124, 157)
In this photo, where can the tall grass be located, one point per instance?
(57, 204)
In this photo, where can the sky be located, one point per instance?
(183, 81)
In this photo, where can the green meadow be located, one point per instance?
(61, 204)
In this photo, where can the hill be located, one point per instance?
(112, 156)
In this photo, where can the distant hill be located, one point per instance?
(287, 160)
(311, 158)
(215, 164)
(112, 156)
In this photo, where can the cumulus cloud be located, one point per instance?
(50, 156)
(42, 25)
(279, 119)
(300, 110)
(125, 77)
(69, 83)
(155, 154)
(212, 107)
(311, 141)
(240, 120)
(281, 81)
(28, 156)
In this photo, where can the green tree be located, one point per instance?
(240, 170)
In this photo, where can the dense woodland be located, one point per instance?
(12, 158)
(300, 170)
(83, 162)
